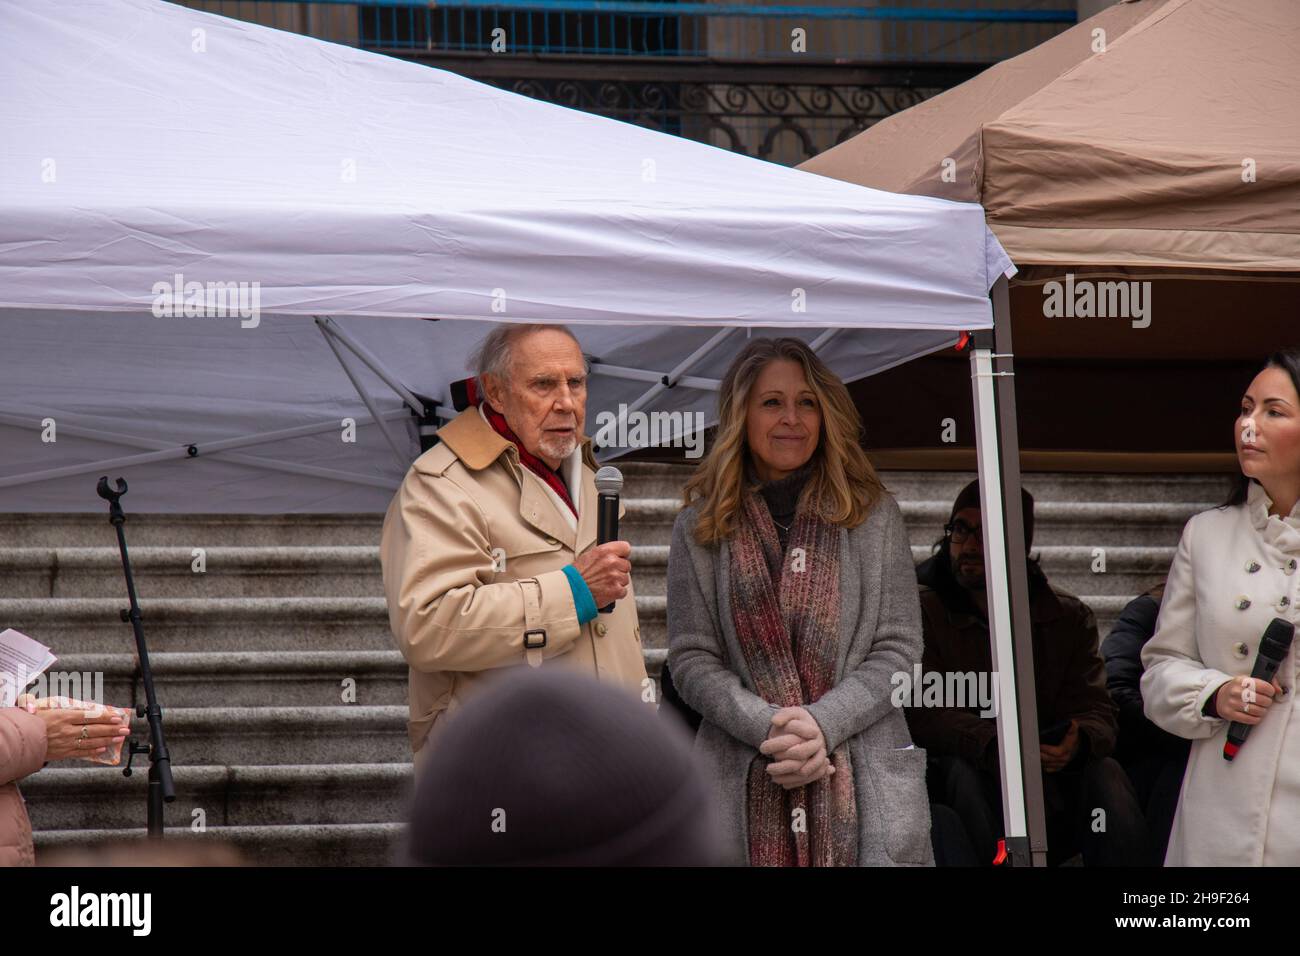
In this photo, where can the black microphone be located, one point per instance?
(609, 482)
(1273, 647)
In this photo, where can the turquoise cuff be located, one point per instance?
(582, 599)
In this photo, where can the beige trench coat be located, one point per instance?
(472, 551)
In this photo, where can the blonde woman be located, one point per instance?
(792, 602)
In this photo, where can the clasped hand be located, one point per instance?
(797, 748)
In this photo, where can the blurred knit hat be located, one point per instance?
(552, 768)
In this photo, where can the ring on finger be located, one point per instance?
(84, 733)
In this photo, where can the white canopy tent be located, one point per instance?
(145, 143)
(314, 203)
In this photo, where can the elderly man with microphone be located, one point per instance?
(489, 551)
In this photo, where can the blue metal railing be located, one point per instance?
(962, 14)
(923, 31)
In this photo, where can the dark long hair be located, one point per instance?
(1288, 360)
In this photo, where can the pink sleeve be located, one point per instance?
(22, 744)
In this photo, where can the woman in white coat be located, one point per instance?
(1235, 570)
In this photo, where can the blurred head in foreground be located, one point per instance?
(174, 851)
(551, 768)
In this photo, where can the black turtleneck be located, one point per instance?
(782, 497)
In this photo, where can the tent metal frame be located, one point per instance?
(160, 450)
(662, 381)
(678, 376)
(337, 340)
(164, 450)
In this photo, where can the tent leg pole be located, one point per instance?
(403, 459)
(998, 451)
(371, 362)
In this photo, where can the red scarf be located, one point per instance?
(528, 459)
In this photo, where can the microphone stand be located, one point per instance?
(161, 787)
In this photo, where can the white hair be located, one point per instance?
(494, 354)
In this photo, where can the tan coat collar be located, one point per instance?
(477, 444)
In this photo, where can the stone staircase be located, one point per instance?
(284, 696)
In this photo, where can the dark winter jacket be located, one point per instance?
(1070, 678)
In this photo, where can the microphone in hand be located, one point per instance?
(609, 485)
(1273, 649)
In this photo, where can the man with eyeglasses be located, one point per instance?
(1090, 803)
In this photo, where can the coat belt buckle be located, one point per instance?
(528, 644)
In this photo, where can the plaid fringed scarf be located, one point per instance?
(789, 634)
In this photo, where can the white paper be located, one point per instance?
(22, 660)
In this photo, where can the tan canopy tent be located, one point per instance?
(1159, 142)
(1158, 133)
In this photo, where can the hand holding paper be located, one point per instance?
(76, 728)
(73, 728)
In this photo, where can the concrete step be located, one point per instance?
(165, 573)
(242, 678)
(245, 678)
(1080, 523)
(654, 479)
(171, 572)
(227, 572)
(93, 625)
(667, 480)
(185, 532)
(347, 733)
(336, 844)
(38, 530)
(96, 797)
(649, 522)
(75, 626)
(91, 528)
(352, 568)
(1067, 486)
(1127, 571)
(644, 481)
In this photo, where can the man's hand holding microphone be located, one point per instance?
(607, 570)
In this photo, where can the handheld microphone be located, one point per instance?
(1273, 647)
(609, 482)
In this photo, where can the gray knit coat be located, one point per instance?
(880, 636)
